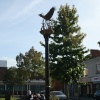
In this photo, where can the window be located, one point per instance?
(85, 71)
(98, 69)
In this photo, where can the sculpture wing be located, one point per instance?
(49, 14)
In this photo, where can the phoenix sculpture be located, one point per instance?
(48, 15)
(47, 22)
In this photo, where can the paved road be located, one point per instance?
(80, 98)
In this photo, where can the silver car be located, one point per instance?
(59, 95)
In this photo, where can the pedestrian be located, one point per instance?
(35, 97)
(42, 97)
(31, 98)
(29, 94)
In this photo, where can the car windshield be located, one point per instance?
(57, 93)
(97, 92)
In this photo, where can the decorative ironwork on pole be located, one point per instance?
(47, 23)
(46, 30)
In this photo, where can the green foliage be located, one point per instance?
(21, 72)
(34, 62)
(12, 98)
(67, 53)
(11, 76)
(54, 98)
(29, 65)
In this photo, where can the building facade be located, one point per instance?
(35, 85)
(91, 80)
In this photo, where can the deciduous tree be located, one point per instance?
(11, 77)
(34, 62)
(31, 63)
(67, 53)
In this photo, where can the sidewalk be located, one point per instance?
(81, 98)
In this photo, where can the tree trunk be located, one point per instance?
(13, 92)
(22, 90)
(67, 91)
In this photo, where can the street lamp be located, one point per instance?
(46, 31)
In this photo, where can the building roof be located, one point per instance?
(95, 53)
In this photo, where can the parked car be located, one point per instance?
(97, 95)
(59, 95)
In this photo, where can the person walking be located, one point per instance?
(41, 97)
(29, 94)
(31, 98)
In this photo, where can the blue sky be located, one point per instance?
(20, 24)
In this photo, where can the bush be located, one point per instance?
(2, 95)
(54, 98)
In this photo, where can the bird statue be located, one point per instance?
(49, 14)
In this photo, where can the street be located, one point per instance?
(81, 98)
